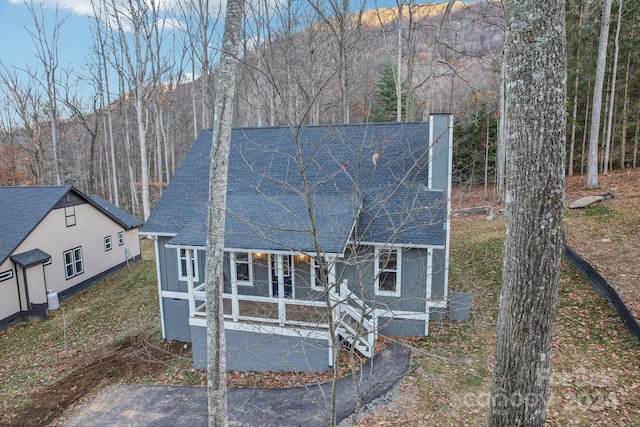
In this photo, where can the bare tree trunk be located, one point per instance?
(584, 133)
(399, 66)
(612, 96)
(435, 57)
(47, 53)
(574, 118)
(223, 115)
(636, 138)
(535, 126)
(625, 114)
(592, 163)
(502, 148)
(411, 58)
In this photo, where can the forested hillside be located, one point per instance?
(152, 71)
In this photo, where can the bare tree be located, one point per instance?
(26, 102)
(137, 18)
(596, 109)
(223, 115)
(47, 53)
(612, 93)
(345, 28)
(535, 125)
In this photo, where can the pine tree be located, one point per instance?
(385, 106)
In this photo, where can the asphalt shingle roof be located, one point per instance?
(382, 200)
(21, 210)
(125, 218)
(29, 258)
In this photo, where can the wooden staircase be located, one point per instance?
(353, 323)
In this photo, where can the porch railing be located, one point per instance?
(351, 315)
(278, 311)
(352, 320)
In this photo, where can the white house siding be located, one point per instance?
(92, 226)
(9, 302)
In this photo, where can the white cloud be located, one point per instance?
(80, 7)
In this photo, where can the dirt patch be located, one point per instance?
(129, 360)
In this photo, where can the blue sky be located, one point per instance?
(17, 48)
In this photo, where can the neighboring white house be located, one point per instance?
(56, 239)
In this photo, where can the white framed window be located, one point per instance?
(317, 274)
(6, 275)
(242, 263)
(73, 264)
(70, 216)
(107, 243)
(120, 238)
(186, 257)
(388, 271)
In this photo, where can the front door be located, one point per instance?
(282, 275)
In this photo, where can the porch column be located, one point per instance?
(235, 304)
(282, 309)
(192, 302)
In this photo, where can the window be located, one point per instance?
(73, 262)
(317, 274)
(6, 275)
(244, 268)
(107, 243)
(387, 272)
(186, 256)
(70, 215)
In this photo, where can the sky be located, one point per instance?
(17, 49)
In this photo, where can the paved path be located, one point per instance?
(140, 405)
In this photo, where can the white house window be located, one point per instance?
(317, 274)
(242, 262)
(70, 215)
(120, 238)
(73, 262)
(186, 256)
(6, 275)
(107, 243)
(387, 271)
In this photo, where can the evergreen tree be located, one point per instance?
(385, 106)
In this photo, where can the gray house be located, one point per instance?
(57, 240)
(343, 225)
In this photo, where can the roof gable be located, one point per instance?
(21, 210)
(370, 178)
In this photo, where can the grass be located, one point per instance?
(594, 380)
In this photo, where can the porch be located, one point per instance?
(289, 317)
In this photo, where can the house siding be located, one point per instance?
(9, 300)
(54, 237)
(176, 318)
(360, 274)
(250, 351)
